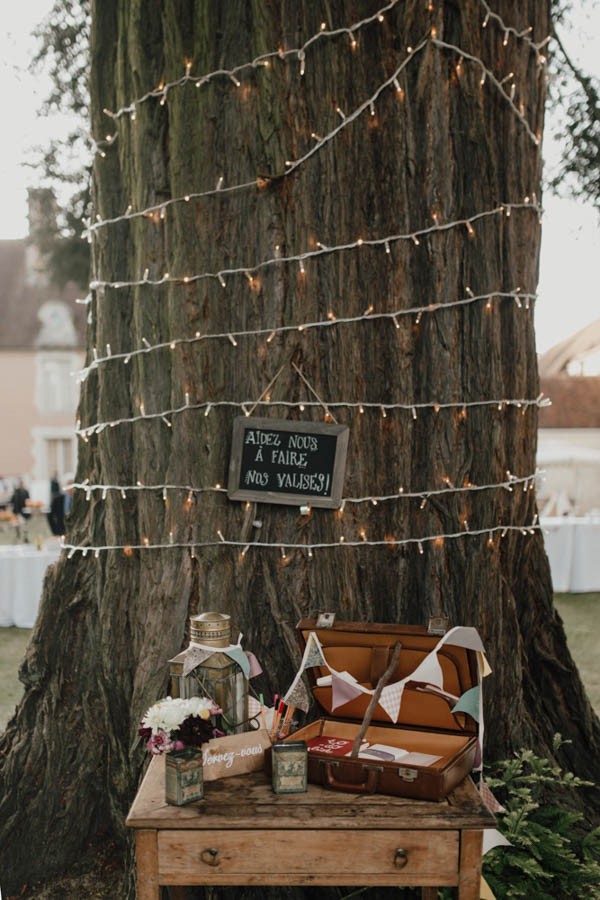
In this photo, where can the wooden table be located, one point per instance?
(244, 834)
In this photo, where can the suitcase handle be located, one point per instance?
(367, 787)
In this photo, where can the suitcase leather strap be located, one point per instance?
(380, 659)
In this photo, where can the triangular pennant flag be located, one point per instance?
(489, 799)
(485, 892)
(429, 670)
(239, 656)
(484, 665)
(313, 656)
(391, 699)
(463, 636)
(195, 656)
(493, 838)
(343, 691)
(297, 695)
(255, 666)
(313, 653)
(254, 707)
(469, 703)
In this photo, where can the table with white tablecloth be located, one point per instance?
(573, 548)
(22, 570)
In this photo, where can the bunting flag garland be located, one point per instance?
(196, 654)
(428, 671)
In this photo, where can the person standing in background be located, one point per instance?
(54, 486)
(19, 500)
(56, 516)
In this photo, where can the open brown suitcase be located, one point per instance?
(425, 724)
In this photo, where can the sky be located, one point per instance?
(569, 296)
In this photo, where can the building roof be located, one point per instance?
(575, 402)
(22, 295)
(571, 355)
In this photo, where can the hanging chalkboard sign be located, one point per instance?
(280, 461)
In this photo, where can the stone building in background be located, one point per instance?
(41, 345)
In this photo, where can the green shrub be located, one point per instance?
(552, 856)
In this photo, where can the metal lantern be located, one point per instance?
(218, 676)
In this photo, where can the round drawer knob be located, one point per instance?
(210, 856)
(400, 858)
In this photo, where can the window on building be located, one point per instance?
(54, 452)
(56, 390)
(59, 455)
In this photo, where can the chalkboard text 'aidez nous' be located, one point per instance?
(280, 461)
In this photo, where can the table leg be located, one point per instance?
(429, 893)
(146, 860)
(469, 873)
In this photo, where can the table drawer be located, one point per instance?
(303, 856)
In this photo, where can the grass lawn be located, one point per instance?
(13, 642)
(579, 613)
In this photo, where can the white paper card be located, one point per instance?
(384, 752)
(419, 759)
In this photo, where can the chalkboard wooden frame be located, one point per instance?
(333, 472)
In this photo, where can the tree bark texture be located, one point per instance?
(437, 146)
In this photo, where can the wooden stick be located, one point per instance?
(375, 700)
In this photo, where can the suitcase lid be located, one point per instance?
(364, 649)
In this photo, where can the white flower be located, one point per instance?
(168, 714)
(200, 706)
(173, 715)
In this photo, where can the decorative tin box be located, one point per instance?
(183, 776)
(289, 767)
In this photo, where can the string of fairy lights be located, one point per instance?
(245, 406)
(506, 88)
(512, 482)
(391, 542)
(250, 270)
(157, 212)
(520, 298)
(298, 54)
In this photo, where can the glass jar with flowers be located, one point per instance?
(178, 727)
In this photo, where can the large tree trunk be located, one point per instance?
(441, 149)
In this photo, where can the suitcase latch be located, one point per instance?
(326, 620)
(408, 774)
(438, 624)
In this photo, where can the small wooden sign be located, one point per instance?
(235, 754)
(294, 463)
